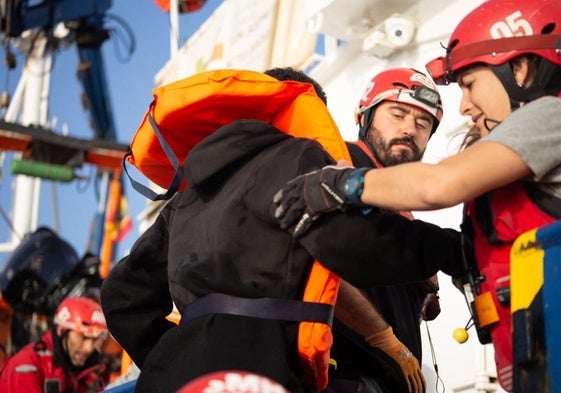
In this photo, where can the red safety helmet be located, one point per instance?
(232, 381)
(405, 85)
(499, 30)
(82, 315)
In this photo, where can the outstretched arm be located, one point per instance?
(484, 166)
(413, 186)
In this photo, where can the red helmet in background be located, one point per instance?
(232, 381)
(82, 315)
(496, 32)
(405, 85)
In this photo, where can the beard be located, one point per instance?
(382, 149)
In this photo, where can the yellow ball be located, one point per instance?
(460, 335)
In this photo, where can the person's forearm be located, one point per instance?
(375, 241)
(357, 312)
(404, 187)
(459, 178)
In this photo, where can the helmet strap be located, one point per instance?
(60, 345)
(521, 95)
(367, 117)
(490, 123)
(64, 338)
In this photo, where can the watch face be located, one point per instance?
(351, 186)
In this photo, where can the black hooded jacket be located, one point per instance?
(219, 236)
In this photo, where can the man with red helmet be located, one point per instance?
(505, 57)
(67, 357)
(398, 112)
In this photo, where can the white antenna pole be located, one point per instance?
(174, 27)
(34, 105)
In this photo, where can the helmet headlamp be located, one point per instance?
(427, 95)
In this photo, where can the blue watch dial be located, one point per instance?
(354, 186)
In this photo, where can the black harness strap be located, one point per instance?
(266, 308)
(548, 203)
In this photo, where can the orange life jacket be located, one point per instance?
(184, 112)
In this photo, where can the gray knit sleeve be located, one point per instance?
(534, 133)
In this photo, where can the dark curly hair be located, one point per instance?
(290, 74)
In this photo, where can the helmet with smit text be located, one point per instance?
(404, 85)
(82, 315)
(232, 381)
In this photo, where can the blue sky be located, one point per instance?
(130, 87)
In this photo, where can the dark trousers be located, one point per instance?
(359, 385)
(222, 342)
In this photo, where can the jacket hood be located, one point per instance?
(229, 145)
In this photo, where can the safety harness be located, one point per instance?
(498, 218)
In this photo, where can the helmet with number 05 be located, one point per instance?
(405, 85)
(499, 30)
(82, 315)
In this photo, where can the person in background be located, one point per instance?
(504, 56)
(237, 279)
(6, 315)
(396, 120)
(67, 359)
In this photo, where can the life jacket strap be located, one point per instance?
(546, 202)
(174, 163)
(266, 308)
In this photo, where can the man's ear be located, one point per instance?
(359, 119)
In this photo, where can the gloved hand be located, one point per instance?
(386, 341)
(305, 198)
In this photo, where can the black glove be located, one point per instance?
(305, 198)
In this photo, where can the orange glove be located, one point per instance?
(386, 341)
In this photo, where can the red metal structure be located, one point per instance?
(185, 6)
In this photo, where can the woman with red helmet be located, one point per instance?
(506, 58)
(67, 357)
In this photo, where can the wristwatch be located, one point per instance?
(354, 186)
